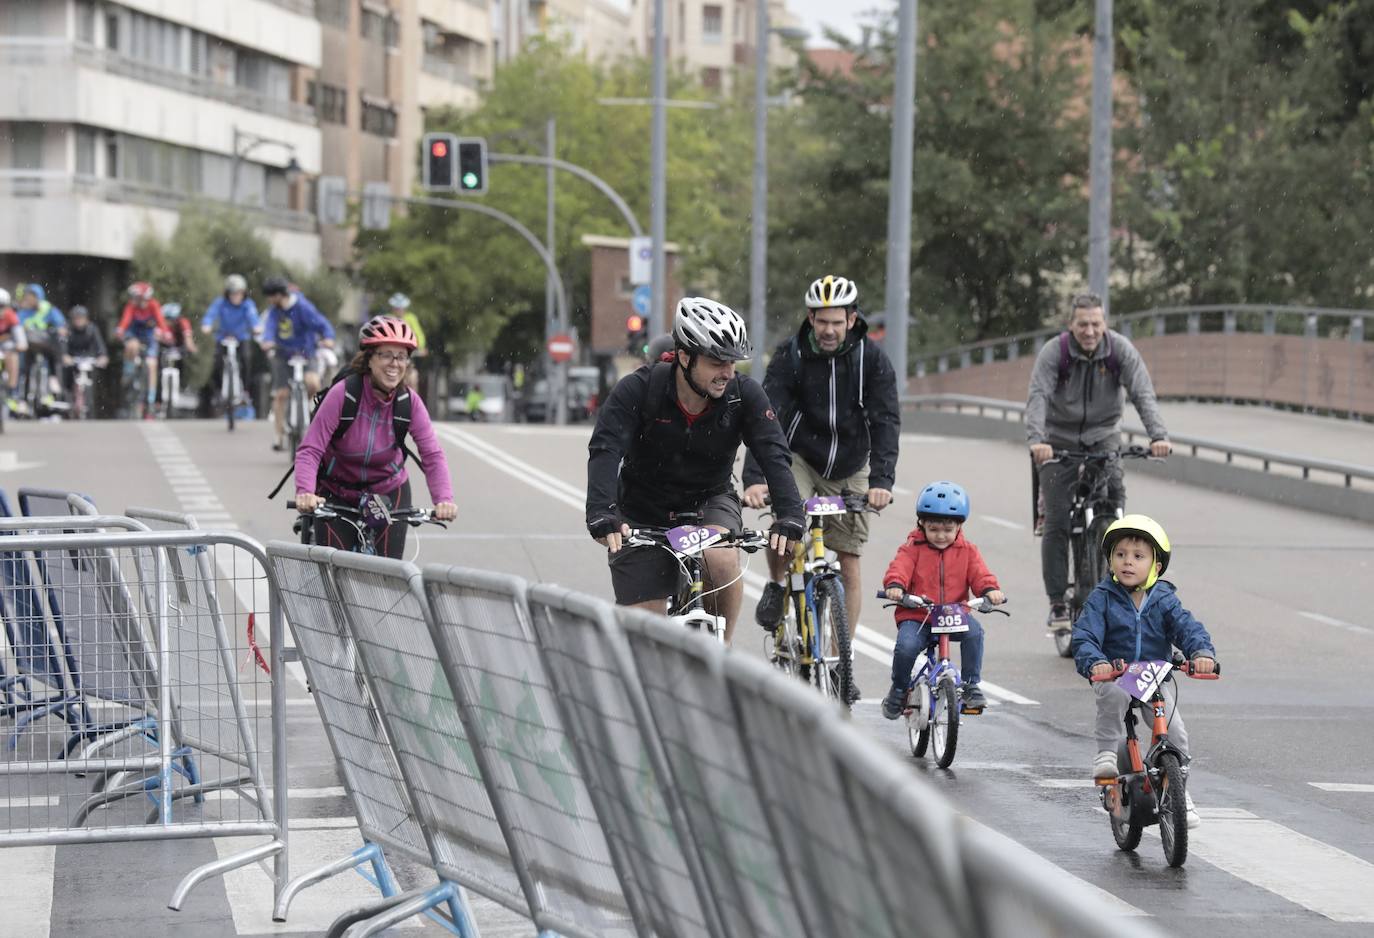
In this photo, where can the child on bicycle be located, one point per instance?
(938, 563)
(1133, 615)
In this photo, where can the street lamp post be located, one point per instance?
(1100, 159)
(245, 143)
(658, 177)
(758, 250)
(898, 300)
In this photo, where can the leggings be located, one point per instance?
(336, 532)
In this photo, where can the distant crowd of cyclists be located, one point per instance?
(43, 347)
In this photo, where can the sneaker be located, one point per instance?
(1194, 819)
(278, 446)
(1104, 766)
(893, 702)
(1059, 620)
(973, 698)
(1039, 526)
(768, 613)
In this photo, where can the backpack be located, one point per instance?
(1066, 359)
(353, 389)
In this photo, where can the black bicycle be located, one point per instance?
(369, 522)
(1091, 512)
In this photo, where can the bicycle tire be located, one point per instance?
(38, 383)
(944, 724)
(786, 641)
(1126, 821)
(830, 605)
(295, 423)
(1173, 809)
(919, 739)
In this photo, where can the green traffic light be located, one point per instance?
(469, 180)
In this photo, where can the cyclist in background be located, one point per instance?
(367, 459)
(83, 341)
(232, 314)
(181, 336)
(139, 326)
(400, 309)
(294, 327)
(665, 442)
(45, 328)
(1075, 403)
(12, 344)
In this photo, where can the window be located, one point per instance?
(712, 22)
(85, 151)
(26, 145)
(330, 102)
(333, 12)
(374, 25)
(112, 31)
(379, 119)
(393, 31)
(710, 78)
(85, 21)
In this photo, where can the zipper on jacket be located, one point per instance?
(834, 435)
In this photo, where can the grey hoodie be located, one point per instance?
(1086, 409)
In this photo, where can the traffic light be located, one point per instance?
(636, 335)
(439, 162)
(472, 166)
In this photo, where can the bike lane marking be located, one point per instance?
(1337, 623)
(1357, 787)
(1002, 522)
(28, 875)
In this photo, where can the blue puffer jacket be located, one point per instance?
(1111, 627)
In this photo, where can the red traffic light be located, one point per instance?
(439, 148)
(634, 324)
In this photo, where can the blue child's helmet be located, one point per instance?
(942, 500)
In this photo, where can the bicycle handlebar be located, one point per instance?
(856, 502)
(747, 540)
(1135, 451)
(411, 516)
(1182, 667)
(912, 601)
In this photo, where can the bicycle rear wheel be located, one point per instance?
(832, 626)
(1173, 809)
(918, 721)
(944, 724)
(1124, 814)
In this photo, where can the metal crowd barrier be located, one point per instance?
(607, 774)
(123, 684)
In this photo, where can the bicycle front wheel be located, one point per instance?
(785, 651)
(832, 628)
(944, 724)
(1173, 810)
(296, 421)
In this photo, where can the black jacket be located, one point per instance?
(669, 466)
(85, 343)
(838, 411)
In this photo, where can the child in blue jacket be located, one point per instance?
(1133, 615)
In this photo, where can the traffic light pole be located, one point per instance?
(582, 173)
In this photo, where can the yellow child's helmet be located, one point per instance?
(1147, 529)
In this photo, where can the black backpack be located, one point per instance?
(660, 373)
(353, 389)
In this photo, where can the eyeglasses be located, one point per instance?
(392, 358)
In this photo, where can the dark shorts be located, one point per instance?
(639, 574)
(281, 368)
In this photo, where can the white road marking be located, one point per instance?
(320, 824)
(1293, 866)
(1359, 787)
(921, 438)
(335, 791)
(27, 873)
(1066, 783)
(1338, 623)
(41, 801)
(1002, 522)
(902, 490)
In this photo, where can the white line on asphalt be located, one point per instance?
(27, 873)
(902, 490)
(41, 801)
(1002, 522)
(1293, 866)
(335, 791)
(322, 823)
(1359, 787)
(497, 536)
(921, 438)
(1066, 783)
(1338, 623)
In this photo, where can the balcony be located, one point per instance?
(448, 70)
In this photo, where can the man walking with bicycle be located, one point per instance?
(1075, 403)
(836, 395)
(665, 443)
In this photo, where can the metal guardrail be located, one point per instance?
(628, 771)
(1014, 412)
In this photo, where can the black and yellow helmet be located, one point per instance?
(1147, 529)
(831, 291)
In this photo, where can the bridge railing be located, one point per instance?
(1309, 358)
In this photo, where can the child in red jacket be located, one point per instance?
(937, 563)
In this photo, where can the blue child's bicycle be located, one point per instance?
(931, 705)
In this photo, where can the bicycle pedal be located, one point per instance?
(972, 711)
(1106, 781)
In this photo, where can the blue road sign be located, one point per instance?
(640, 299)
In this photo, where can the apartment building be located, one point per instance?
(599, 29)
(115, 113)
(715, 40)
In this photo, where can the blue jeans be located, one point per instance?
(914, 638)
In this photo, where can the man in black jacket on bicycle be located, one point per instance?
(836, 395)
(665, 442)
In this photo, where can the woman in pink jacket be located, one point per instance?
(367, 459)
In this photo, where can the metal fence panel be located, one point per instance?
(682, 679)
(482, 629)
(591, 668)
(386, 613)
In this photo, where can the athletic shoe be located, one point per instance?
(1059, 620)
(1194, 819)
(892, 703)
(973, 697)
(1104, 766)
(768, 613)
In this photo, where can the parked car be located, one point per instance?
(493, 400)
(582, 397)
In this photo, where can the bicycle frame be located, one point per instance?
(171, 380)
(688, 544)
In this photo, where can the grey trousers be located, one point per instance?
(1111, 714)
(1056, 484)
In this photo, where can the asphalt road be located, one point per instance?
(1283, 771)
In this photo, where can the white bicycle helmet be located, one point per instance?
(703, 326)
(4, 297)
(831, 291)
(399, 301)
(234, 283)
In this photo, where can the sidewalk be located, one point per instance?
(1265, 428)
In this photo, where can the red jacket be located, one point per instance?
(946, 576)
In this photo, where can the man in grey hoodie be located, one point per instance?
(1075, 403)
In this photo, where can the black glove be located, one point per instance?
(603, 525)
(791, 530)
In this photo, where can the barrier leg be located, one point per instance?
(364, 854)
(439, 895)
(219, 867)
(352, 917)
